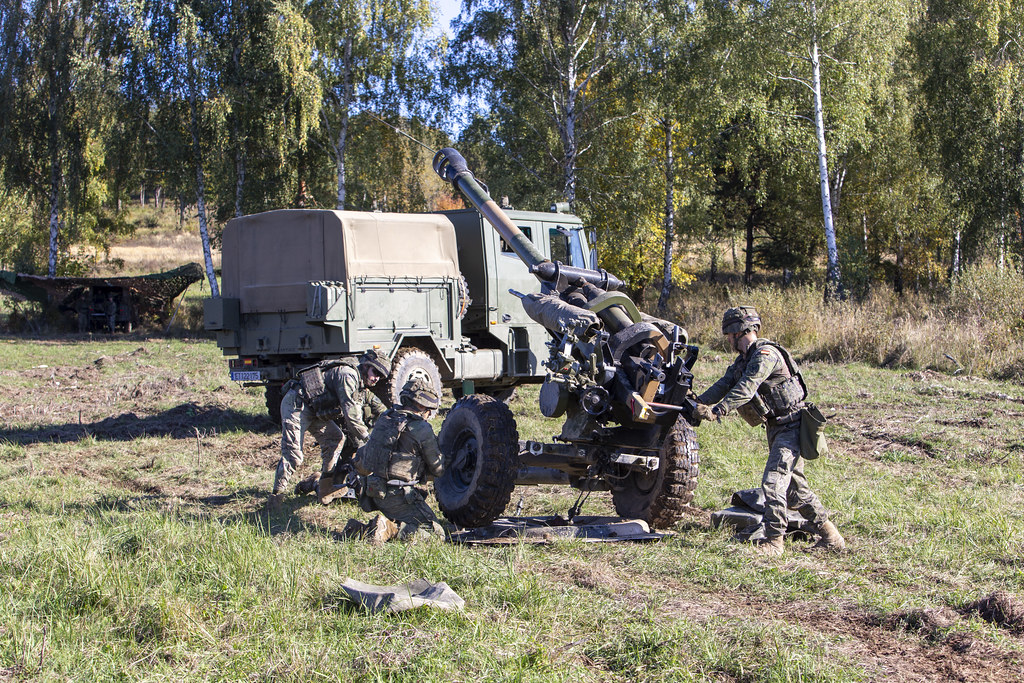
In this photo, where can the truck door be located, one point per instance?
(524, 338)
(567, 246)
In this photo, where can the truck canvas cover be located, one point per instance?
(264, 255)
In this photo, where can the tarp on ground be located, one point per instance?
(418, 593)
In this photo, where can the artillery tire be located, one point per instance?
(410, 363)
(480, 445)
(272, 396)
(660, 497)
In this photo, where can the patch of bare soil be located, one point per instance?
(1001, 609)
(928, 622)
(86, 398)
(911, 646)
(868, 440)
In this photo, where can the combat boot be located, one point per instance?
(307, 485)
(274, 501)
(830, 537)
(380, 529)
(771, 547)
(324, 487)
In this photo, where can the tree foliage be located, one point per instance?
(678, 130)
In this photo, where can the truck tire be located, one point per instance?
(410, 363)
(463, 301)
(480, 445)
(659, 498)
(504, 395)
(273, 396)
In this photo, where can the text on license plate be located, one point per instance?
(245, 375)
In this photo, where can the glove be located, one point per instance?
(704, 412)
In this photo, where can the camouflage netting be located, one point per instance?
(152, 294)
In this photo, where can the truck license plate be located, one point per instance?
(245, 375)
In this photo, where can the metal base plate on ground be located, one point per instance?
(509, 530)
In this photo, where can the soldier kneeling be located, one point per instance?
(402, 449)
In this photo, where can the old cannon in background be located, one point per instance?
(621, 379)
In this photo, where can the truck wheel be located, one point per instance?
(659, 498)
(411, 363)
(480, 445)
(504, 395)
(464, 300)
(273, 398)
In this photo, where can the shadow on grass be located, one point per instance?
(233, 507)
(180, 422)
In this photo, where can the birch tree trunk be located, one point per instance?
(239, 173)
(670, 229)
(53, 131)
(54, 212)
(748, 267)
(833, 282)
(204, 232)
(342, 141)
(956, 253)
(569, 139)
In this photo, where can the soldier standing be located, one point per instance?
(765, 387)
(110, 312)
(84, 309)
(401, 450)
(324, 393)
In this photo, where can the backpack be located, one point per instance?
(375, 455)
(321, 400)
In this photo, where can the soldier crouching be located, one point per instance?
(766, 388)
(326, 394)
(402, 449)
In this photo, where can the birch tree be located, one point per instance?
(971, 57)
(272, 96)
(367, 53)
(55, 104)
(833, 50)
(545, 69)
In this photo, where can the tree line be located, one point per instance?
(883, 139)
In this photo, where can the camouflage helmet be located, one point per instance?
(420, 392)
(740, 320)
(375, 359)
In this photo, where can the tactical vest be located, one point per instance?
(320, 398)
(374, 458)
(779, 395)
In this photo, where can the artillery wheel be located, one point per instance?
(272, 397)
(659, 497)
(411, 363)
(480, 444)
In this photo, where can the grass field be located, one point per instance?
(134, 544)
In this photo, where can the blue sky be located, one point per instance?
(448, 10)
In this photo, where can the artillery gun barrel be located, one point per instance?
(452, 168)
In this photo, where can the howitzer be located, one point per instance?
(622, 380)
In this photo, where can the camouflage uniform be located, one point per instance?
(751, 376)
(402, 447)
(82, 307)
(110, 311)
(355, 399)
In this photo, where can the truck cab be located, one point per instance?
(495, 318)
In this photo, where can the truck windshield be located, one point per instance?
(567, 247)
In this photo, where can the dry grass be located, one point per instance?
(969, 330)
(153, 251)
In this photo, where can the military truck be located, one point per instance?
(430, 290)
